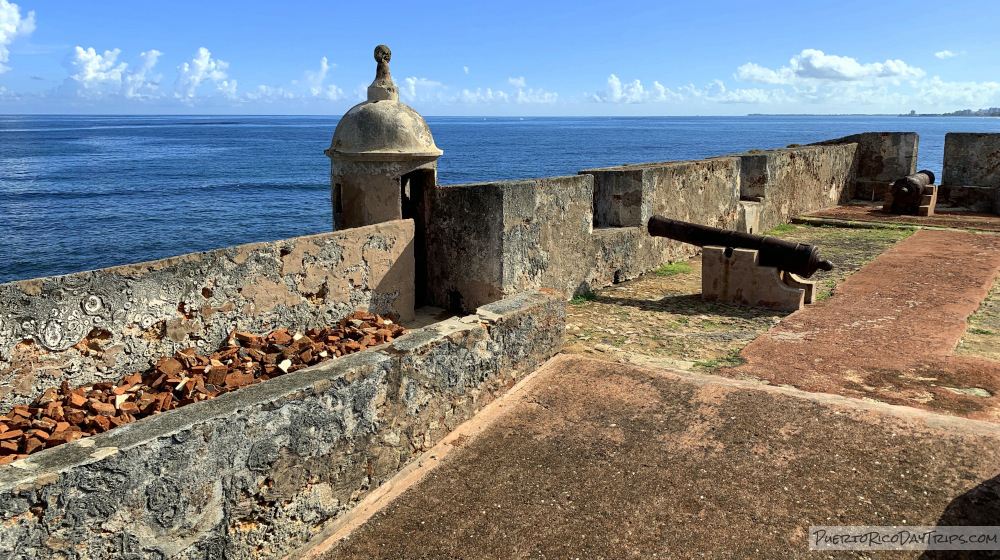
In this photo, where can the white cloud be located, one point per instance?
(201, 68)
(814, 65)
(964, 95)
(517, 82)
(268, 94)
(945, 54)
(535, 96)
(12, 25)
(715, 91)
(135, 84)
(483, 96)
(413, 88)
(227, 88)
(634, 92)
(753, 72)
(465, 69)
(315, 80)
(95, 75)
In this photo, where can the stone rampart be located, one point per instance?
(970, 177)
(492, 240)
(104, 324)
(257, 472)
(704, 191)
(971, 159)
(792, 181)
(882, 157)
(575, 234)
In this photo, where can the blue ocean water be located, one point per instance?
(85, 192)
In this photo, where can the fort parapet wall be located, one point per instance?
(971, 173)
(255, 473)
(101, 325)
(882, 157)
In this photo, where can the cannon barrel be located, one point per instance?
(908, 191)
(797, 258)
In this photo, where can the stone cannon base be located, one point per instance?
(737, 279)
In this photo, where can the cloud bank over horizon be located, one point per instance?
(153, 77)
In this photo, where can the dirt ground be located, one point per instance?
(661, 320)
(600, 460)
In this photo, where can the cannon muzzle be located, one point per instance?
(797, 258)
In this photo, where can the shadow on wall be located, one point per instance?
(977, 507)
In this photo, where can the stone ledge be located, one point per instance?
(257, 472)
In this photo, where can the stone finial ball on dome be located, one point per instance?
(383, 54)
(383, 88)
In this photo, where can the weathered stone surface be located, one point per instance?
(882, 158)
(629, 252)
(704, 191)
(102, 325)
(974, 199)
(791, 181)
(537, 233)
(257, 472)
(738, 279)
(491, 240)
(971, 159)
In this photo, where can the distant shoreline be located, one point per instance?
(951, 115)
(868, 115)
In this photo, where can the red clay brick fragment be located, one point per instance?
(62, 415)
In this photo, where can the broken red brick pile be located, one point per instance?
(62, 415)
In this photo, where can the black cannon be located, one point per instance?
(797, 258)
(908, 192)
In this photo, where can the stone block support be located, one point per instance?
(734, 277)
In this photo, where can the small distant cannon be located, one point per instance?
(913, 195)
(746, 269)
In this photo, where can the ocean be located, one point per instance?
(85, 192)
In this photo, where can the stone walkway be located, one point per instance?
(942, 218)
(592, 459)
(889, 331)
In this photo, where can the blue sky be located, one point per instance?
(515, 58)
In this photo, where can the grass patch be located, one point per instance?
(679, 322)
(827, 291)
(732, 359)
(977, 330)
(671, 269)
(781, 228)
(584, 298)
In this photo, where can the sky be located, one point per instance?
(511, 58)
